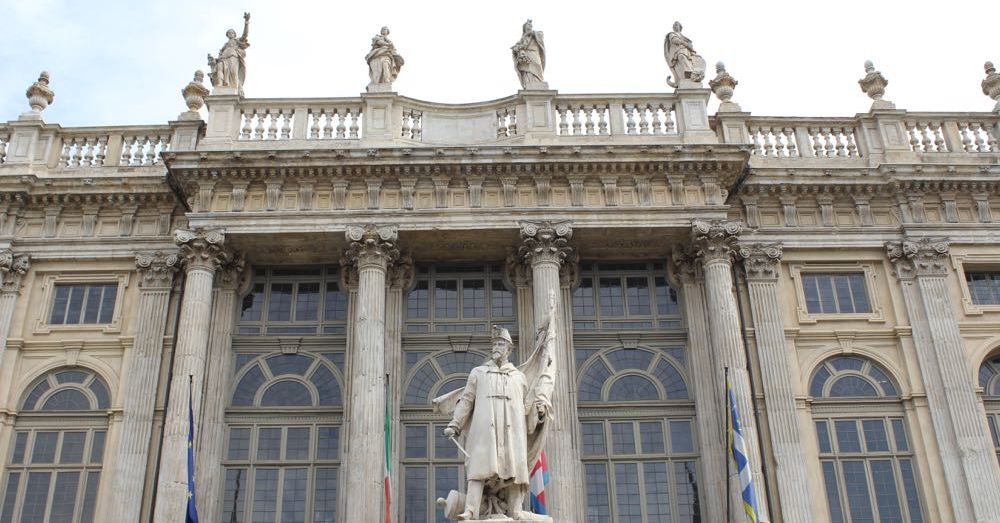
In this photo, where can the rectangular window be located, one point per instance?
(836, 293)
(984, 287)
(83, 303)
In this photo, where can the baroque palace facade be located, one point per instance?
(297, 268)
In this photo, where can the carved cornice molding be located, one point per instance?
(156, 269)
(545, 242)
(715, 240)
(762, 261)
(202, 248)
(13, 267)
(371, 246)
(919, 257)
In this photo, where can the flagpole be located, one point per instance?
(729, 443)
(388, 454)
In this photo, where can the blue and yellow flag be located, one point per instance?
(192, 509)
(738, 450)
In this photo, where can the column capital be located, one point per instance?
(919, 257)
(13, 268)
(202, 248)
(545, 242)
(233, 274)
(371, 245)
(402, 273)
(762, 261)
(156, 269)
(515, 273)
(715, 240)
(684, 265)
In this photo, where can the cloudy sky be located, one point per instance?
(124, 62)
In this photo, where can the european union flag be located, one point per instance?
(192, 509)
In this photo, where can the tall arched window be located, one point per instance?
(989, 380)
(638, 443)
(865, 452)
(54, 469)
(283, 452)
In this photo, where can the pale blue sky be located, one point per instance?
(119, 62)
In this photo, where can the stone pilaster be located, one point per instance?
(202, 252)
(371, 250)
(401, 279)
(966, 451)
(230, 283)
(763, 267)
(142, 372)
(545, 248)
(13, 267)
(517, 276)
(707, 389)
(714, 243)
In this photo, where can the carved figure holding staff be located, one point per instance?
(229, 69)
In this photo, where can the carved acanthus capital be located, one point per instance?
(919, 257)
(516, 272)
(569, 272)
(13, 267)
(233, 275)
(402, 274)
(685, 266)
(156, 269)
(202, 249)
(371, 245)
(762, 261)
(715, 240)
(545, 242)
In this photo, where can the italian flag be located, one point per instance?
(388, 458)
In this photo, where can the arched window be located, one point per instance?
(640, 463)
(283, 451)
(54, 470)
(989, 380)
(431, 463)
(865, 452)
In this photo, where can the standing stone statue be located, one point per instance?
(504, 412)
(384, 63)
(687, 66)
(529, 58)
(229, 69)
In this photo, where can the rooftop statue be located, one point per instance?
(529, 58)
(229, 69)
(504, 412)
(873, 84)
(991, 85)
(687, 67)
(384, 63)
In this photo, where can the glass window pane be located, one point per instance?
(246, 390)
(852, 387)
(651, 437)
(280, 306)
(910, 487)
(828, 301)
(90, 497)
(45, 447)
(327, 386)
(818, 382)
(286, 394)
(328, 443)
(253, 304)
(59, 303)
(234, 496)
(686, 479)
(473, 299)
(633, 388)
(92, 304)
(416, 441)
(842, 288)
(10, 497)
(64, 497)
(583, 298)
(72, 447)
(108, 303)
(593, 439)
(415, 494)
(307, 303)
(611, 297)
(336, 303)
(75, 307)
(876, 437)
(265, 495)
(598, 506)
(417, 301)
(97, 447)
(443, 446)
(860, 295)
(36, 496)
(101, 393)
(295, 364)
(67, 399)
(627, 500)
(810, 288)
(502, 300)
(666, 298)
(848, 439)
(680, 436)
(832, 492)
(298, 443)
(638, 295)
(293, 496)
(622, 438)
(446, 299)
(239, 444)
(886, 495)
(20, 443)
(445, 479)
(325, 495)
(657, 492)
(269, 444)
(823, 434)
(856, 489)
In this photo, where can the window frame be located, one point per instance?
(652, 271)
(321, 326)
(963, 263)
(49, 282)
(796, 270)
(429, 273)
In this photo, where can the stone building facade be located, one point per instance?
(296, 268)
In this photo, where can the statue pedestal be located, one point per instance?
(543, 519)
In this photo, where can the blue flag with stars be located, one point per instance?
(192, 509)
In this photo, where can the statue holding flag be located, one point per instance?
(504, 413)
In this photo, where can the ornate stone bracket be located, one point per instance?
(715, 240)
(13, 267)
(762, 261)
(156, 269)
(546, 242)
(371, 245)
(233, 275)
(919, 257)
(202, 248)
(684, 265)
(402, 274)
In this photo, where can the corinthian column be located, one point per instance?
(13, 267)
(156, 277)
(212, 428)
(714, 243)
(202, 252)
(545, 248)
(959, 427)
(370, 251)
(763, 265)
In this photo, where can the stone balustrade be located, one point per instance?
(144, 148)
(299, 119)
(603, 115)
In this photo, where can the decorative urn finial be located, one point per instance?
(39, 94)
(873, 84)
(723, 86)
(991, 85)
(195, 92)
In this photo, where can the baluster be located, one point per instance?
(852, 144)
(630, 119)
(668, 116)
(502, 123)
(913, 130)
(577, 113)
(770, 142)
(792, 149)
(991, 139)
(64, 154)
(286, 123)
(602, 119)
(512, 121)
(341, 124)
(246, 129)
(643, 119)
(939, 138)
(156, 146)
(926, 142)
(418, 127)
(355, 124)
(658, 126)
(265, 125)
(562, 113)
(839, 138)
(816, 137)
(758, 145)
(328, 123)
(591, 125)
(314, 128)
(964, 132)
(830, 150)
(126, 157)
(150, 151)
(405, 127)
(980, 139)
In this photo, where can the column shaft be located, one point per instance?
(12, 270)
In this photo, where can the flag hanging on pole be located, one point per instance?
(738, 450)
(192, 508)
(537, 482)
(388, 455)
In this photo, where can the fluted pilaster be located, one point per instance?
(545, 248)
(156, 278)
(762, 263)
(963, 439)
(714, 243)
(13, 267)
(371, 250)
(517, 276)
(401, 279)
(202, 252)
